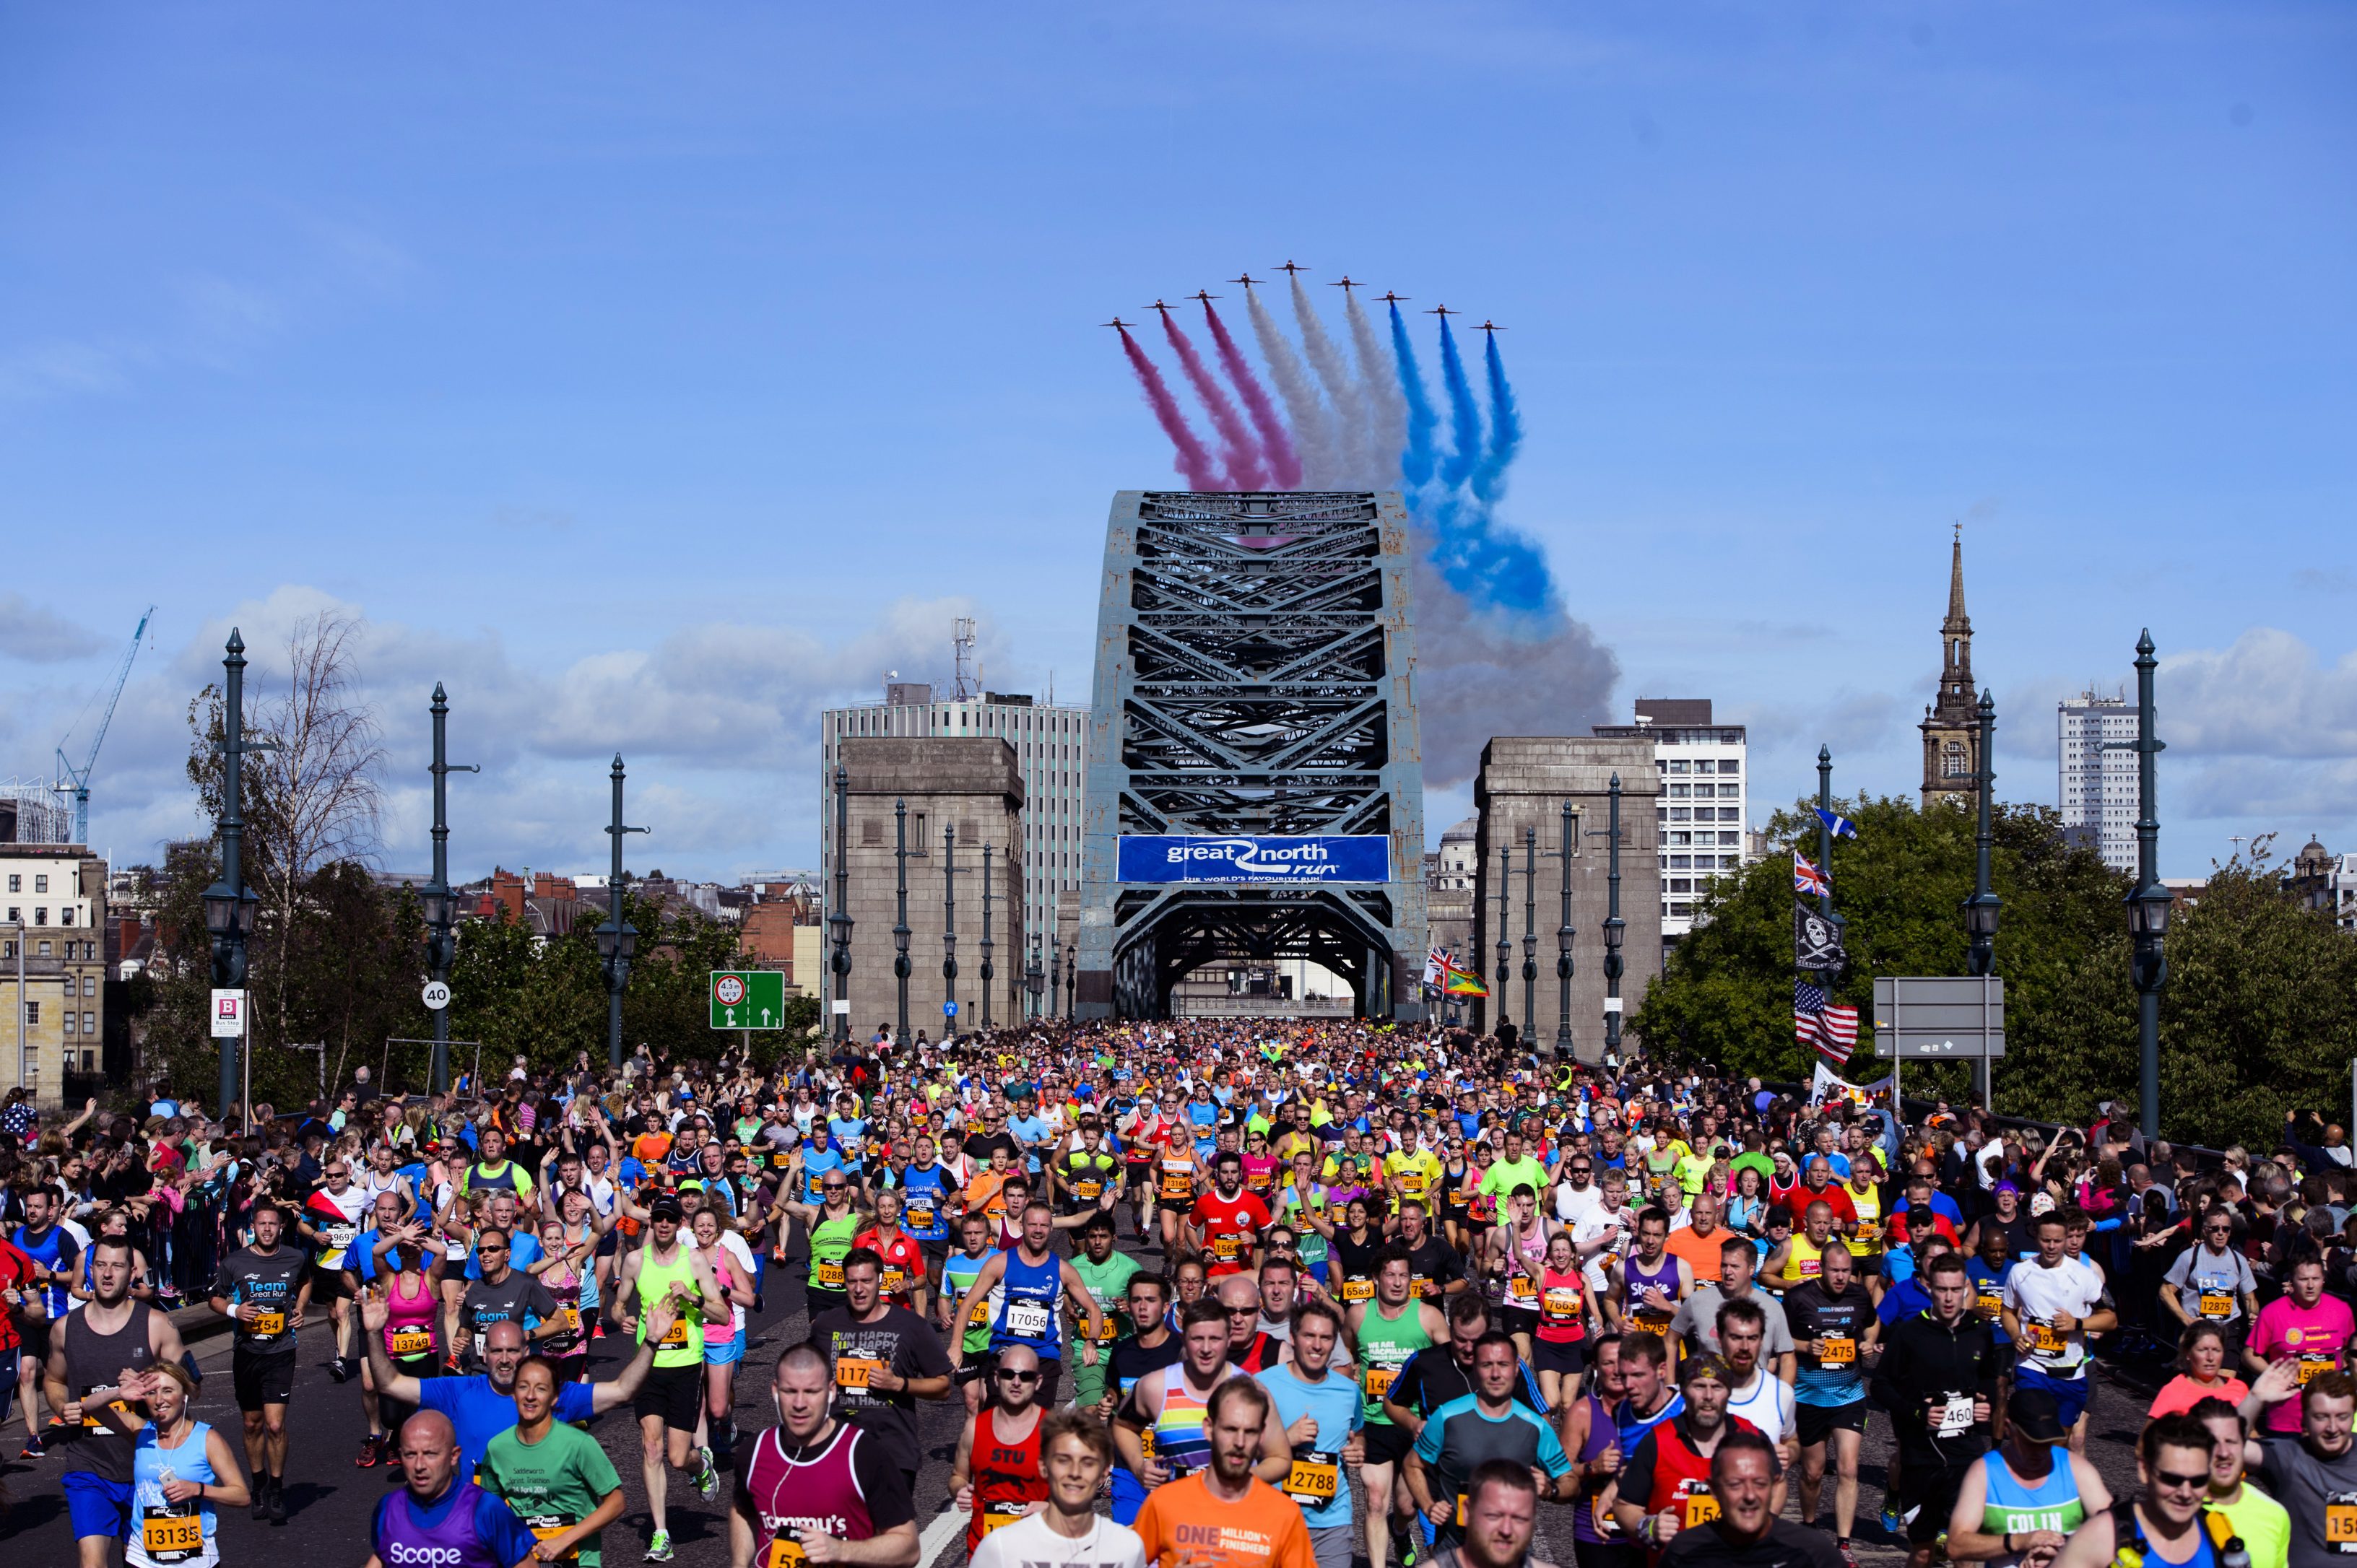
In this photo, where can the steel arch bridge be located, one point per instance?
(1254, 656)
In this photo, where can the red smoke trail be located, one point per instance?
(1195, 464)
(1238, 449)
(1284, 467)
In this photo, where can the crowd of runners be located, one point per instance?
(1220, 1296)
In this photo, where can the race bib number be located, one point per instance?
(1870, 1231)
(998, 1516)
(545, 1528)
(1701, 1507)
(2311, 1365)
(1836, 1352)
(1412, 1184)
(1227, 1249)
(784, 1554)
(267, 1325)
(1088, 1191)
(1358, 1290)
(1026, 1319)
(1316, 1477)
(1459, 1198)
(170, 1536)
(1954, 1418)
(1656, 1323)
(1380, 1380)
(780, 1159)
(2217, 1304)
(827, 1276)
(569, 1317)
(1989, 1302)
(676, 1335)
(920, 1217)
(1522, 1291)
(854, 1371)
(1178, 1179)
(2340, 1523)
(2044, 1338)
(896, 1281)
(407, 1342)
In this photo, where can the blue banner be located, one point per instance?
(1355, 857)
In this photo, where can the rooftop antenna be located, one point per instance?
(962, 640)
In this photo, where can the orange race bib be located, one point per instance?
(1836, 1352)
(2217, 1304)
(411, 1342)
(1380, 1380)
(998, 1516)
(1315, 1480)
(676, 1335)
(2341, 1524)
(1358, 1290)
(1700, 1507)
(171, 1537)
(266, 1324)
(853, 1372)
(784, 1554)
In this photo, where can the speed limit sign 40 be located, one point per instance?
(437, 995)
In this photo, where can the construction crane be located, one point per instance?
(75, 781)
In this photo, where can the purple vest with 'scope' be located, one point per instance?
(402, 1543)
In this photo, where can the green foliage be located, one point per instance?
(2260, 1015)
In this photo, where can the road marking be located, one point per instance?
(945, 1529)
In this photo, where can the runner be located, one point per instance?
(2051, 1303)
(1388, 1330)
(1312, 1439)
(439, 1517)
(833, 1225)
(1593, 1442)
(998, 1473)
(1747, 1534)
(1490, 1423)
(954, 1314)
(1076, 1453)
(330, 1222)
(811, 1486)
(1664, 1487)
(406, 1263)
(670, 1403)
(1835, 1329)
(1107, 1274)
(1030, 1309)
(886, 1357)
(1938, 1378)
(1222, 1515)
(182, 1469)
(1162, 1431)
(555, 1476)
(1226, 1222)
(263, 1287)
(96, 1356)
(723, 1253)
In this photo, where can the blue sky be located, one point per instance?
(652, 380)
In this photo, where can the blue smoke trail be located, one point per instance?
(1505, 429)
(1464, 415)
(1417, 457)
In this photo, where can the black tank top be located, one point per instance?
(95, 1360)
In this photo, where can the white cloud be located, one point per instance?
(2270, 695)
(40, 635)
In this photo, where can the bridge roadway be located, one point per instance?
(329, 1499)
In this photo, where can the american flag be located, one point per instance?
(1808, 880)
(1832, 1030)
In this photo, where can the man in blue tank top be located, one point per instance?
(1035, 1284)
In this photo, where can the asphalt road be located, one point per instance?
(329, 1499)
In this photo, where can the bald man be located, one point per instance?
(481, 1407)
(1249, 1350)
(437, 1518)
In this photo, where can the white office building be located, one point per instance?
(2097, 788)
(1702, 802)
(1049, 745)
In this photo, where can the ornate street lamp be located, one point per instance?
(900, 968)
(838, 924)
(1614, 929)
(618, 939)
(1564, 936)
(435, 901)
(1531, 936)
(949, 929)
(989, 972)
(2148, 901)
(1055, 974)
(1072, 982)
(1982, 908)
(1033, 982)
(1505, 943)
(229, 904)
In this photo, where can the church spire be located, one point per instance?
(1958, 623)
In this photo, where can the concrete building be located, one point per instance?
(2095, 787)
(1951, 726)
(1697, 759)
(52, 967)
(1448, 874)
(972, 785)
(1521, 792)
(1047, 741)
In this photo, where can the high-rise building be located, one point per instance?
(2096, 787)
(1951, 726)
(1697, 759)
(1049, 743)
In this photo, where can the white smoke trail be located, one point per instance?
(1352, 444)
(1380, 391)
(1483, 671)
(1313, 431)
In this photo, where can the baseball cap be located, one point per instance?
(666, 1208)
(2034, 1413)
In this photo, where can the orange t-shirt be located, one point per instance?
(987, 1194)
(1700, 1252)
(1182, 1523)
(649, 1148)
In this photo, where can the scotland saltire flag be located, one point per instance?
(1840, 826)
(1808, 880)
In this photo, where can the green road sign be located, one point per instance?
(748, 999)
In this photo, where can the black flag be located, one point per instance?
(1816, 940)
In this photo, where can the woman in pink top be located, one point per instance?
(2305, 1326)
(2201, 1373)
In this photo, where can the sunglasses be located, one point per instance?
(1011, 1376)
(2179, 1483)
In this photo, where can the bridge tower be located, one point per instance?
(1253, 660)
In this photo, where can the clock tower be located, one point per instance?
(1950, 724)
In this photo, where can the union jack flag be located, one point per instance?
(1809, 879)
(1832, 1030)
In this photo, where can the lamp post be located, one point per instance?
(1982, 908)
(989, 972)
(900, 927)
(1826, 838)
(229, 904)
(618, 939)
(1073, 980)
(1055, 974)
(1531, 935)
(1614, 929)
(1033, 981)
(949, 928)
(1563, 936)
(435, 901)
(1506, 943)
(2148, 902)
(838, 924)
